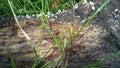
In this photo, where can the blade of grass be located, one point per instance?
(16, 20)
(103, 60)
(43, 58)
(45, 19)
(11, 58)
(58, 59)
(25, 34)
(46, 65)
(90, 19)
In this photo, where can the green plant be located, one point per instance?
(31, 7)
(11, 57)
(24, 7)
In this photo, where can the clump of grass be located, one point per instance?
(62, 45)
(24, 7)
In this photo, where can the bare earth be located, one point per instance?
(89, 41)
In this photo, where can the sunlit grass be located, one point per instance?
(24, 7)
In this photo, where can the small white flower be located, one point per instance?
(59, 11)
(92, 5)
(48, 13)
(48, 16)
(75, 6)
(27, 16)
(52, 19)
(116, 10)
(33, 15)
(85, 2)
(52, 15)
(116, 25)
(39, 15)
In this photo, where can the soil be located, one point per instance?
(93, 44)
(21, 50)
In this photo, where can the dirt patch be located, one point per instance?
(80, 50)
(22, 50)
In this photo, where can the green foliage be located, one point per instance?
(24, 7)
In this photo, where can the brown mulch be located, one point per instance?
(22, 51)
